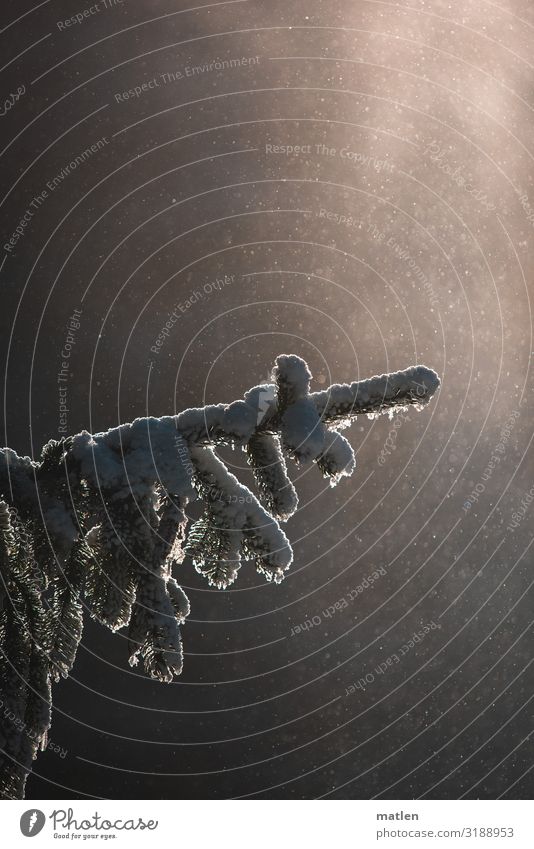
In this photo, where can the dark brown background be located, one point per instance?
(185, 193)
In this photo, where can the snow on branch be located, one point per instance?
(99, 524)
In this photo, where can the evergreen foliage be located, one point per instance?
(98, 523)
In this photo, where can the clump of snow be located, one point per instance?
(234, 507)
(58, 521)
(131, 458)
(377, 395)
(276, 491)
(199, 424)
(292, 377)
(239, 421)
(302, 432)
(337, 460)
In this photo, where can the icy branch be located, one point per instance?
(99, 523)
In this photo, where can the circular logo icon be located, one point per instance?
(32, 822)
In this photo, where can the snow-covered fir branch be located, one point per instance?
(98, 523)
